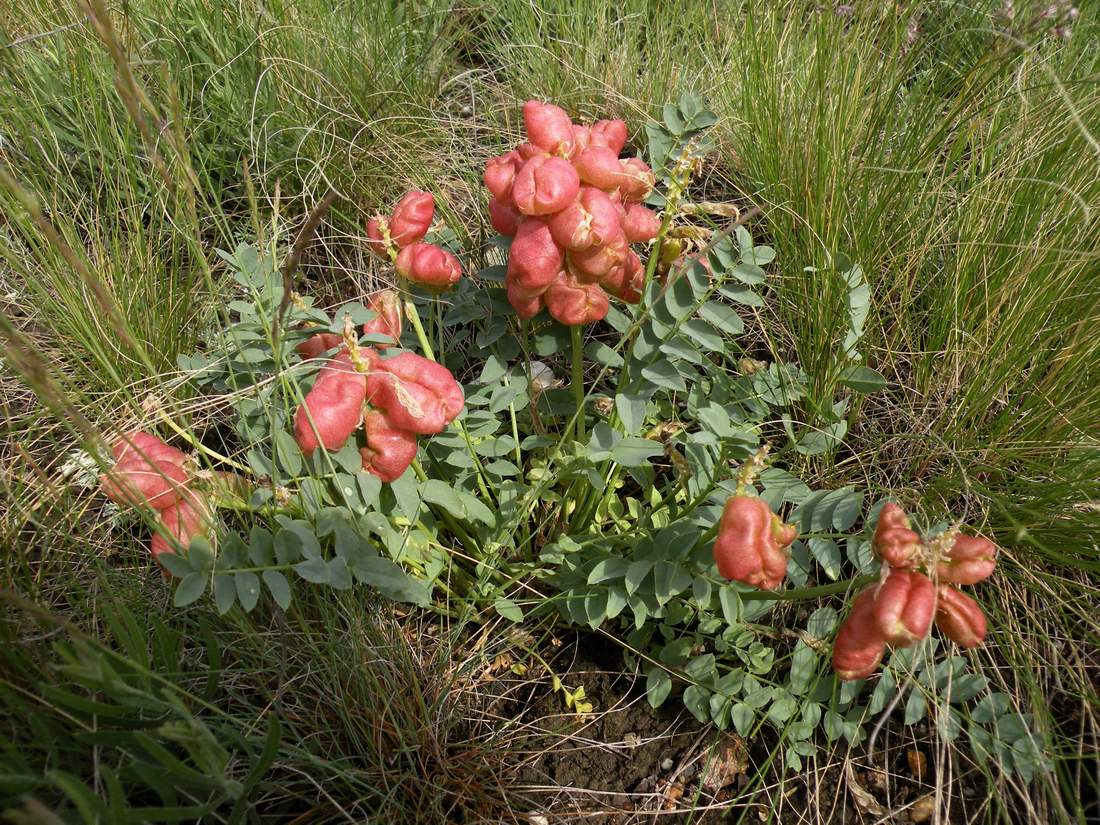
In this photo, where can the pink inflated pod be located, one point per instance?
(178, 524)
(752, 543)
(526, 151)
(630, 291)
(970, 560)
(411, 218)
(500, 173)
(572, 303)
(894, 541)
(527, 306)
(389, 450)
(637, 180)
(317, 345)
(594, 263)
(417, 395)
(609, 133)
(146, 471)
(548, 127)
(544, 186)
(503, 217)
(960, 618)
(588, 221)
(428, 265)
(640, 225)
(386, 306)
(859, 646)
(533, 259)
(600, 167)
(376, 239)
(905, 604)
(582, 136)
(332, 409)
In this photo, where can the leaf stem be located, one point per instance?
(578, 379)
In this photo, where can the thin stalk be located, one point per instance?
(578, 379)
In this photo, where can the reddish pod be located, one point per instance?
(386, 306)
(548, 127)
(429, 266)
(332, 409)
(526, 306)
(590, 220)
(590, 265)
(637, 180)
(183, 521)
(572, 303)
(970, 560)
(411, 218)
(633, 280)
(640, 225)
(894, 541)
(609, 133)
(599, 166)
(752, 543)
(500, 172)
(417, 395)
(859, 646)
(503, 217)
(545, 185)
(534, 259)
(317, 345)
(960, 618)
(376, 240)
(146, 471)
(389, 450)
(904, 605)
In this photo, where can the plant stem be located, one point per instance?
(578, 379)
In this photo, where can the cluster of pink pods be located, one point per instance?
(573, 209)
(393, 400)
(148, 471)
(918, 589)
(399, 239)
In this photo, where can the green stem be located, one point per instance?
(798, 594)
(578, 379)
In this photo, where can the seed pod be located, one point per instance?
(146, 471)
(412, 218)
(960, 618)
(591, 265)
(582, 136)
(526, 306)
(609, 133)
(389, 451)
(533, 259)
(548, 127)
(904, 605)
(859, 647)
(428, 265)
(894, 542)
(500, 172)
(333, 408)
(417, 395)
(970, 560)
(640, 225)
(503, 217)
(633, 280)
(599, 166)
(386, 305)
(572, 303)
(183, 521)
(544, 186)
(752, 543)
(590, 220)
(637, 180)
(317, 345)
(376, 241)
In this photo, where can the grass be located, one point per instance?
(949, 151)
